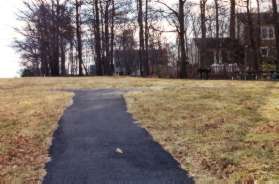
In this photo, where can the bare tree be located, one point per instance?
(232, 18)
(97, 34)
(253, 43)
(203, 33)
(141, 38)
(258, 32)
(276, 26)
(180, 29)
(106, 39)
(146, 63)
(112, 37)
(181, 20)
(47, 33)
(216, 2)
(78, 4)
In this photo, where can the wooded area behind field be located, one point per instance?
(95, 37)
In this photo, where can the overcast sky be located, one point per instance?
(8, 58)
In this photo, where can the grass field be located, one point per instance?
(220, 131)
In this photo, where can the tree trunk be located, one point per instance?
(71, 56)
(55, 45)
(79, 41)
(251, 37)
(258, 44)
(276, 26)
(97, 39)
(141, 38)
(146, 39)
(217, 30)
(107, 41)
(63, 59)
(183, 57)
(112, 39)
(232, 19)
(203, 31)
(102, 35)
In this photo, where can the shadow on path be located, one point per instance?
(84, 146)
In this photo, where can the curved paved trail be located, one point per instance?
(84, 146)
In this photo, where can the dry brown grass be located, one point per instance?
(28, 117)
(221, 131)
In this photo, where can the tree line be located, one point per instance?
(68, 37)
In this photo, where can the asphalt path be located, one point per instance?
(98, 142)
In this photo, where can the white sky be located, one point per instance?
(9, 59)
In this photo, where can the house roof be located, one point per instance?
(266, 17)
(214, 43)
(135, 52)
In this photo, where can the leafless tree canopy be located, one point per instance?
(185, 38)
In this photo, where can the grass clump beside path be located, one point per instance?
(28, 117)
(220, 131)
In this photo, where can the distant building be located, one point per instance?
(92, 70)
(236, 54)
(218, 52)
(267, 36)
(126, 62)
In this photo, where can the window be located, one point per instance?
(264, 51)
(267, 33)
(264, 33)
(271, 33)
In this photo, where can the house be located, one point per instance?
(218, 52)
(235, 55)
(265, 34)
(127, 62)
(223, 57)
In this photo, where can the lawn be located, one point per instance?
(220, 131)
